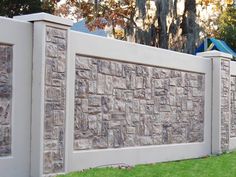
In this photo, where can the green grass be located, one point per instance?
(213, 166)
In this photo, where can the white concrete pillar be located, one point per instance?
(50, 41)
(220, 100)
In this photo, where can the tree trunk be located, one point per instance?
(162, 12)
(189, 26)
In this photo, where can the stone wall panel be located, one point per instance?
(125, 105)
(233, 107)
(225, 104)
(55, 98)
(5, 99)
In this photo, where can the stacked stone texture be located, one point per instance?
(5, 99)
(225, 104)
(55, 90)
(233, 107)
(120, 104)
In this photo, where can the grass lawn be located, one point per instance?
(214, 166)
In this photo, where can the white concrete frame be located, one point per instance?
(216, 58)
(90, 45)
(232, 141)
(38, 91)
(19, 35)
(40, 22)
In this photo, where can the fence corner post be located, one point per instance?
(50, 53)
(220, 100)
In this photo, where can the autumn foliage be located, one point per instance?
(156, 23)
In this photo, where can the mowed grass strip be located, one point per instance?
(213, 166)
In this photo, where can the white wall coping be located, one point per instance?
(215, 54)
(12, 20)
(45, 17)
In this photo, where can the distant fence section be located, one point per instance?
(15, 97)
(71, 101)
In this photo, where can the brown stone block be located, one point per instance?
(81, 88)
(100, 142)
(5, 90)
(119, 82)
(59, 117)
(82, 62)
(104, 66)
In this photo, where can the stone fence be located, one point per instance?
(71, 101)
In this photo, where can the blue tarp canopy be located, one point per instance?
(215, 44)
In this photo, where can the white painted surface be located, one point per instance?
(96, 46)
(216, 102)
(215, 54)
(44, 17)
(216, 105)
(128, 52)
(136, 155)
(233, 68)
(232, 144)
(19, 35)
(38, 99)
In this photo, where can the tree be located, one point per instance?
(227, 26)
(139, 23)
(189, 26)
(10, 8)
(161, 13)
(131, 16)
(157, 23)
